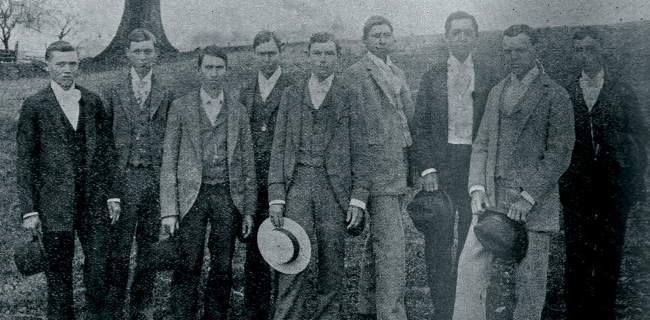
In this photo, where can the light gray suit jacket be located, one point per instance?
(543, 148)
(182, 167)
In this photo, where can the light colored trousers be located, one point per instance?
(383, 270)
(474, 275)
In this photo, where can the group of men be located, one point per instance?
(333, 151)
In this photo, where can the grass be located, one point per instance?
(24, 298)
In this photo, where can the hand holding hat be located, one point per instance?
(286, 249)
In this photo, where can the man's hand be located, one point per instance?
(170, 224)
(430, 182)
(247, 226)
(114, 210)
(479, 201)
(519, 210)
(354, 217)
(276, 213)
(32, 223)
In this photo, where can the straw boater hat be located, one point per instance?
(286, 249)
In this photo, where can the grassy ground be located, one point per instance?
(24, 298)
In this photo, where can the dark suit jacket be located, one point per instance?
(378, 157)
(182, 166)
(117, 101)
(45, 170)
(619, 132)
(544, 120)
(430, 123)
(287, 139)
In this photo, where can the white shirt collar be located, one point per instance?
(205, 97)
(68, 101)
(267, 85)
(380, 63)
(598, 79)
(135, 77)
(318, 89)
(453, 63)
(528, 78)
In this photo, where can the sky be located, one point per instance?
(189, 23)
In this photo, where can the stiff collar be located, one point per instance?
(205, 97)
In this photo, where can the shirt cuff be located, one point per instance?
(31, 214)
(425, 172)
(113, 200)
(358, 203)
(272, 202)
(476, 187)
(528, 197)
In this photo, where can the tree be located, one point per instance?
(65, 19)
(28, 13)
(137, 14)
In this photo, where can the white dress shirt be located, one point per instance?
(460, 86)
(141, 87)
(267, 85)
(212, 106)
(591, 87)
(69, 102)
(318, 90)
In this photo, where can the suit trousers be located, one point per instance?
(140, 218)
(311, 203)
(475, 264)
(59, 248)
(215, 205)
(595, 235)
(382, 281)
(439, 239)
(260, 283)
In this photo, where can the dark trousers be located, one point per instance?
(59, 248)
(140, 217)
(439, 240)
(595, 235)
(215, 205)
(259, 284)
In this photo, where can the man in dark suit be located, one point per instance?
(380, 109)
(522, 147)
(309, 180)
(603, 182)
(138, 104)
(65, 177)
(207, 174)
(261, 97)
(448, 111)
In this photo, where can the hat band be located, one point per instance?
(294, 242)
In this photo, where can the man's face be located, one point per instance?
(588, 53)
(379, 40)
(63, 67)
(323, 59)
(212, 73)
(267, 57)
(519, 53)
(461, 38)
(142, 56)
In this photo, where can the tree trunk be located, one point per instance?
(137, 14)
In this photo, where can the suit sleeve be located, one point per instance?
(27, 151)
(560, 138)
(478, 159)
(168, 177)
(248, 163)
(108, 152)
(277, 179)
(359, 146)
(422, 153)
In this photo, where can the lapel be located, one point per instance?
(55, 113)
(273, 100)
(155, 96)
(86, 115)
(380, 79)
(528, 103)
(234, 116)
(194, 121)
(126, 96)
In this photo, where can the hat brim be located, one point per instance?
(304, 255)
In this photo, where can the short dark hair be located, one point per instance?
(587, 32)
(140, 35)
(212, 51)
(460, 15)
(375, 21)
(518, 29)
(60, 46)
(323, 37)
(265, 36)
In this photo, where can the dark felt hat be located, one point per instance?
(29, 256)
(430, 209)
(504, 237)
(165, 255)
